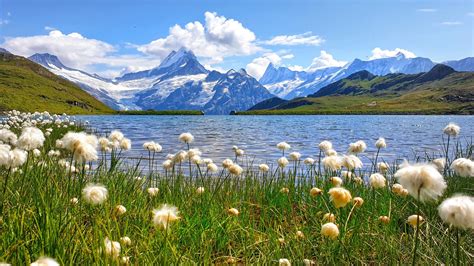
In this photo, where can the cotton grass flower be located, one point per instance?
(377, 180)
(152, 146)
(284, 262)
(384, 219)
(440, 163)
(308, 262)
(308, 161)
(458, 211)
(335, 181)
(315, 192)
(239, 152)
(120, 210)
(357, 147)
(233, 211)
(125, 260)
(463, 167)
(7, 136)
(380, 143)
(330, 230)
(422, 181)
(299, 234)
(227, 163)
(295, 156)
(31, 138)
(212, 167)
(283, 162)
(126, 241)
(5, 155)
(165, 216)
(45, 261)
(283, 146)
(116, 136)
(358, 201)
(125, 144)
(332, 163)
(413, 220)
(200, 190)
(152, 191)
(329, 217)
(112, 248)
(383, 167)
(17, 158)
(94, 194)
(339, 196)
(325, 146)
(452, 130)
(285, 190)
(351, 162)
(186, 138)
(330, 152)
(397, 189)
(167, 164)
(263, 168)
(235, 169)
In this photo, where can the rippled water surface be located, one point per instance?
(258, 135)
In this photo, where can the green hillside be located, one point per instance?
(28, 87)
(439, 91)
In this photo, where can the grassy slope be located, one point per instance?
(451, 95)
(29, 87)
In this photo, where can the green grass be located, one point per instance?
(29, 87)
(161, 112)
(38, 218)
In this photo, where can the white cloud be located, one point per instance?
(324, 60)
(288, 56)
(427, 10)
(470, 14)
(48, 28)
(378, 53)
(296, 68)
(257, 67)
(451, 23)
(4, 22)
(219, 37)
(306, 38)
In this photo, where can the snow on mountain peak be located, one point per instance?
(46, 59)
(174, 57)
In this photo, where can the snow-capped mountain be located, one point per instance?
(179, 82)
(466, 64)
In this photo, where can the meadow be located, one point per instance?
(71, 198)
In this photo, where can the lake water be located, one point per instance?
(258, 135)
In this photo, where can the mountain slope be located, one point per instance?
(440, 90)
(29, 87)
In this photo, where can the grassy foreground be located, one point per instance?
(39, 219)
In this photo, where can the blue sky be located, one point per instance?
(112, 37)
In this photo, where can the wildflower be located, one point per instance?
(358, 180)
(335, 181)
(116, 136)
(164, 216)
(212, 167)
(85, 153)
(227, 163)
(377, 180)
(332, 163)
(112, 248)
(8, 136)
(380, 143)
(180, 156)
(440, 163)
(308, 161)
(45, 261)
(207, 161)
(315, 192)
(126, 241)
(329, 217)
(239, 152)
(357, 147)
(458, 211)
(264, 167)
(308, 262)
(383, 167)
(283, 162)
(412, 220)
(295, 156)
(463, 167)
(339, 196)
(94, 194)
(404, 192)
(233, 211)
(325, 145)
(299, 234)
(283, 146)
(284, 262)
(351, 162)
(452, 130)
(422, 181)
(346, 174)
(235, 169)
(125, 144)
(397, 189)
(186, 138)
(152, 146)
(167, 164)
(120, 210)
(196, 159)
(330, 152)
(384, 219)
(285, 190)
(358, 201)
(74, 201)
(31, 138)
(281, 240)
(193, 152)
(152, 191)
(17, 157)
(199, 190)
(330, 230)
(125, 260)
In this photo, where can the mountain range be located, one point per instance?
(439, 90)
(180, 82)
(288, 84)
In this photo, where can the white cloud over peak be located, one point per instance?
(324, 60)
(378, 53)
(306, 38)
(219, 37)
(257, 67)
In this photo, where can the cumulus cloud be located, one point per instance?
(219, 37)
(324, 60)
(378, 53)
(451, 23)
(426, 10)
(306, 38)
(257, 67)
